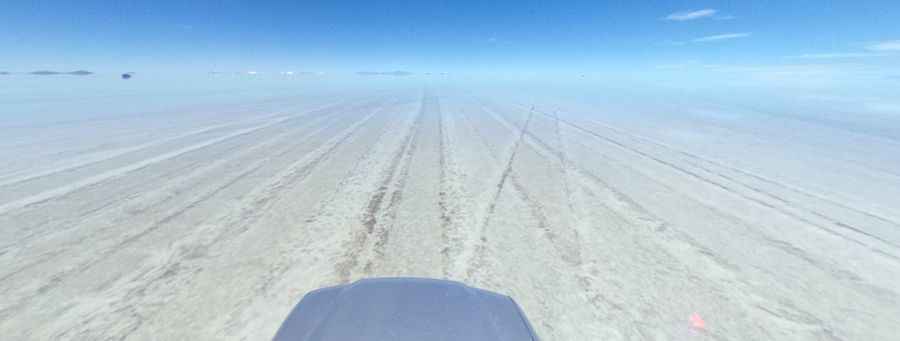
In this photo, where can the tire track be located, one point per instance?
(10, 180)
(571, 257)
(375, 215)
(321, 211)
(4, 180)
(258, 203)
(389, 214)
(729, 285)
(278, 119)
(345, 181)
(317, 235)
(262, 198)
(59, 277)
(99, 178)
(475, 260)
(763, 136)
(449, 192)
(149, 202)
(735, 192)
(846, 277)
(257, 206)
(754, 189)
(86, 155)
(785, 187)
(508, 169)
(122, 200)
(563, 164)
(782, 245)
(546, 148)
(300, 170)
(569, 254)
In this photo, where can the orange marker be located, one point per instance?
(697, 321)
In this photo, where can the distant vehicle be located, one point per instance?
(126, 75)
(405, 309)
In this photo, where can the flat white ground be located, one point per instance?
(212, 225)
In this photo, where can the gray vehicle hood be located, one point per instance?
(402, 309)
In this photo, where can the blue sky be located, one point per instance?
(452, 36)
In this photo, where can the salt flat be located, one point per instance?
(211, 221)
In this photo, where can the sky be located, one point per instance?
(756, 39)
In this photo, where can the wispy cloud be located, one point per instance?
(873, 49)
(720, 37)
(691, 15)
(844, 55)
(890, 45)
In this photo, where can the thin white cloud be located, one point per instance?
(720, 37)
(846, 55)
(691, 15)
(890, 45)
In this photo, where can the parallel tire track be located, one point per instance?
(374, 215)
(449, 192)
(474, 261)
(239, 220)
(726, 188)
(846, 276)
(258, 202)
(99, 178)
(569, 254)
(322, 207)
(124, 197)
(760, 191)
(785, 187)
(745, 196)
(9, 180)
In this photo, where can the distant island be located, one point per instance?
(50, 73)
